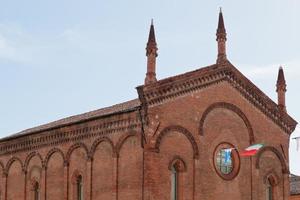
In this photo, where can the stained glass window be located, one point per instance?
(224, 161)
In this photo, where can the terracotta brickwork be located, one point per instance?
(295, 197)
(128, 151)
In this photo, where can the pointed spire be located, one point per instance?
(281, 89)
(280, 78)
(151, 53)
(221, 39)
(151, 44)
(221, 27)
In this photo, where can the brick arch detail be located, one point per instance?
(97, 142)
(33, 183)
(179, 162)
(232, 108)
(122, 140)
(76, 173)
(30, 156)
(75, 146)
(11, 161)
(2, 167)
(182, 130)
(278, 155)
(274, 177)
(53, 151)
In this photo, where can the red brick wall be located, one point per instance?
(114, 165)
(294, 197)
(55, 177)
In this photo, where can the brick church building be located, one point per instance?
(168, 144)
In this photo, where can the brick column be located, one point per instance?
(5, 176)
(25, 184)
(89, 179)
(115, 176)
(43, 183)
(286, 186)
(149, 172)
(66, 180)
(196, 182)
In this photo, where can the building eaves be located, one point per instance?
(92, 115)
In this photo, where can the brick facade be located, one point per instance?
(127, 151)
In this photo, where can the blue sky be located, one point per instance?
(61, 57)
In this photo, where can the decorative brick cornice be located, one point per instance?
(59, 136)
(173, 87)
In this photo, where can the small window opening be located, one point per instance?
(79, 188)
(174, 183)
(269, 189)
(36, 191)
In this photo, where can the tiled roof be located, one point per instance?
(118, 108)
(295, 185)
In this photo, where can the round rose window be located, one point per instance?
(226, 161)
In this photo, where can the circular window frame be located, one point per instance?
(235, 161)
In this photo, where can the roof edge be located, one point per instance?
(61, 122)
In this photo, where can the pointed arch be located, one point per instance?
(232, 108)
(11, 161)
(75, 146)
(97, 142)
(278, 155)
(51, 152)
(182, 130)
(30, 156)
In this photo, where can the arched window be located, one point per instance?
(36, 191)
(270, 188)
(174, 182)
(177, 168)
(79, 188)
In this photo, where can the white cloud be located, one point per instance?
(71, 35)
(291, 69)
(15, 45)
(36, 49)
(6, 49)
